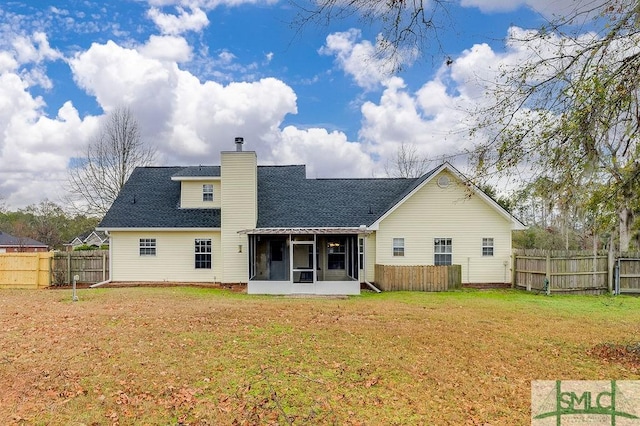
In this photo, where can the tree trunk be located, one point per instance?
(626, 220)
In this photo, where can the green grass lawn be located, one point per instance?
(205, 356)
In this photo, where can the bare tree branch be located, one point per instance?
(108, 162)
(404, 25)
(407, 163)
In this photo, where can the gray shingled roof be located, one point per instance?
(150, 199)
(199, 171)
(8, 240)
(286, 198)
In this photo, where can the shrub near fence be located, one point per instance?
(24, 270)
(91, 266)
(418, 278)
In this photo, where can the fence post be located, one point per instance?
(37, 257)
(51, 270)
(514, 274)
(104, 266)
(68, 268)
(548, 273)
(610, 265)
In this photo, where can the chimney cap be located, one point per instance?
(239, 142)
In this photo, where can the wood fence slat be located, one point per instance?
(566, 271)
(418, 277)
(24, 270)
(91, 266)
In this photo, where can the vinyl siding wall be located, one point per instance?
(368, 274)
(174, 259)
(434, 212)
(239, 210)
(191, 195)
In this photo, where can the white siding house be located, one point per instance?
(452, 216)
(278, 232)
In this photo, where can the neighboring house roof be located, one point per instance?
(8, 240)
(151, 199)
(286, 199)
(86, 236)
(76, 241)
(101, 235)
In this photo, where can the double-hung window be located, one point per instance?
(398, 247)
(487, 246)
(203, 253)
(207, 192)
(147, 246)
(442, 251)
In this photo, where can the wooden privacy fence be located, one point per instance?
(91, 266)
(24, 270)
(418, 278)
(580, 272)
(627, 276)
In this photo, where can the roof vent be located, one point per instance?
(443, 181)
(239, 142)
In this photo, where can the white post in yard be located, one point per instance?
(74, 298)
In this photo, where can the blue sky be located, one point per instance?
(197, 73)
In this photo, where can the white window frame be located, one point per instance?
(360, 252)
(203, 249)
(147, 247)
(207, 192)
(398, 247)
(488, 247)
(442, 251)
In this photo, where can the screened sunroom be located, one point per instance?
(305, 261)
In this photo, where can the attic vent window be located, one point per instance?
(443, 181)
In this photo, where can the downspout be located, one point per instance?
(372, 287)
(100, 283)
(364, 262)
(107, 281)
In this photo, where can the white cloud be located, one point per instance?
(547, 8)
(180, 23)
(167, 48)
(437, 118)
(35, 149)
(326, 154)
(7, 62)
(226, 57)
(368, 66)
(207, 4)
(34, 49)
(432, 121)
(189, 120)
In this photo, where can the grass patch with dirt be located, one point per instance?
(197, 356)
